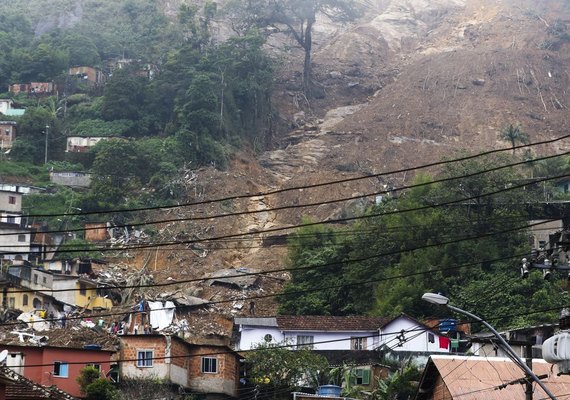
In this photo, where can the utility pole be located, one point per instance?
(528, 360)
(46, 148)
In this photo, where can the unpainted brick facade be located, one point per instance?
(179, 362)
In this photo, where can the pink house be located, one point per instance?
(56, 366)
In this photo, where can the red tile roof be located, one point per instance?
(328, 323)
(21, 388)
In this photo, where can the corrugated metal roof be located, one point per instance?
(475, 378)
(330, 323)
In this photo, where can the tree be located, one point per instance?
(275, 366)
(299, 17)
(514, 134)
(87, 376)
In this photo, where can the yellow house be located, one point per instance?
(20, 298)
(91, 296)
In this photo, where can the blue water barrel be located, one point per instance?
(448, 325)
(329, 390)
(92, 347)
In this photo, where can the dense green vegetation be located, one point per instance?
(468, 249)
(203, 100)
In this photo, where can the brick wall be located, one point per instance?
(224, 381)
(440, 391)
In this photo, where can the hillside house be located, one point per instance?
(10, 207)
(208, 369)
(404, 333)
(13, 298)
(7, 108)
(87, 74)
(34, 88)
(521, 339)
(366, 366)
(14, 241)
(96, 232)
(82, 144)
(315, 332)
(57, 366)
(7, 134)
(475, 378)
(67, 289)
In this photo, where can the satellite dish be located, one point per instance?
(3, 355)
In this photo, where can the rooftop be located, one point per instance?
(330, 323)
(475, 378)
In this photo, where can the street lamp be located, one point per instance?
(444, 301)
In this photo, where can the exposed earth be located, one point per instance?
(410, 83)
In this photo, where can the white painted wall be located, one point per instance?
(338, 340)
(416, 337)
(252, 335)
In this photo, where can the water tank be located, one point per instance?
(556, 350)
(448, 325)
(92, 347)
(329, 390)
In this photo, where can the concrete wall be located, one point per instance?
(7, 197)
(74, 179)
(15, 240)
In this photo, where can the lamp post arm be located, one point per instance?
(507, 348)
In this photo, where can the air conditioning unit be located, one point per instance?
(556, 350)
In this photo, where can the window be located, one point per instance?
(21, 238)
(10, 219)
(35, 278)
(361, 376)
(12, 302)
(209, 365)
(11, 199)
(25, 300)
(82, 289)
(96, 366)
(305, 341)
(431, 338)
(144, 358)
(60, 369)
(358, 343)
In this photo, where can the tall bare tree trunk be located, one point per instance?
(307, 67)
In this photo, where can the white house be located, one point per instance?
(404, 333)
(399, 334)
(82, 144)
(315, 332)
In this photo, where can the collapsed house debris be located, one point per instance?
(242, 278)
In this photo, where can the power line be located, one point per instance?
(332, 221)
(286, 345)
(268, 193)
(296, 206)
(354, 260)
